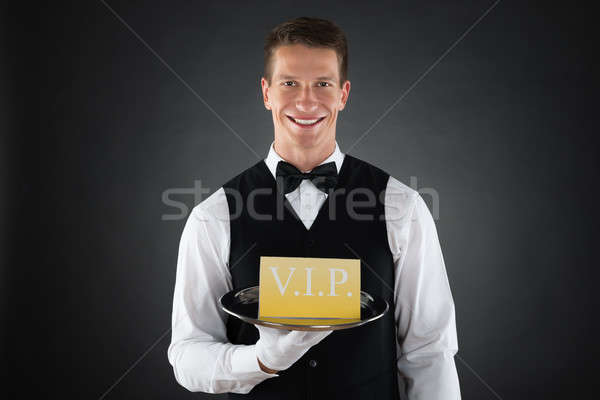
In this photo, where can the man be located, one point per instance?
(408, 353)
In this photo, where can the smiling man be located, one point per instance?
(334, 205)
(305, 90)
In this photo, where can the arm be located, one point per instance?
(201, 356)
(424, 308)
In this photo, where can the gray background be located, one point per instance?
(500, 128)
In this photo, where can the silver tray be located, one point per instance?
(243, 304)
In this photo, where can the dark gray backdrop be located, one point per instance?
(484, 105)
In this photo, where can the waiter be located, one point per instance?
(308, 199)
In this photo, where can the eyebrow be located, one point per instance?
(320, 78)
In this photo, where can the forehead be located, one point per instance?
(303, 61)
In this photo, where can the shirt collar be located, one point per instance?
(273, 158)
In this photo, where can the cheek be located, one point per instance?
(330, 100)
(282, 99)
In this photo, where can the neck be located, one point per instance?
(305, 159)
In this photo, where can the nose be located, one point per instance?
(306, 101)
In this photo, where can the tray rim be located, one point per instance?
(294, 327)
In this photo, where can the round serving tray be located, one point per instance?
(243, 304)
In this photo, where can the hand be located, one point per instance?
(279, 349)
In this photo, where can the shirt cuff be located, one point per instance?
(244, 361)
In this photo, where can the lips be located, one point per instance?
(306, 122)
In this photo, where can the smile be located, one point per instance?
(306, 123)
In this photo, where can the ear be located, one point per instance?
(265, 92)
(345, 94)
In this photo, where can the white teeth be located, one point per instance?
(306, 121)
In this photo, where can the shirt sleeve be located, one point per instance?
(424, 307)
(202, 358)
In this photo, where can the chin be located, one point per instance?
(306, 139)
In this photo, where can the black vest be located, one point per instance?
(357, 363)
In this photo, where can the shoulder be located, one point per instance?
(400, 199)
(207, 227)
(213, 208)
(206, 233)
(404, 204)
(248, 178)
(362, 171)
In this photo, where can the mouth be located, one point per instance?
(306, 122)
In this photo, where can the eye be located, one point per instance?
(290, 83)
(324, 84)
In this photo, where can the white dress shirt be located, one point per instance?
(203, 359)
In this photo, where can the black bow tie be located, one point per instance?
(324, 176)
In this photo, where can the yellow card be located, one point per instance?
(308, 287)
(311, 321)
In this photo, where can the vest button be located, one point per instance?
(310, 242)
(312, 363)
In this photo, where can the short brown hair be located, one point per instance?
(311, 32)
